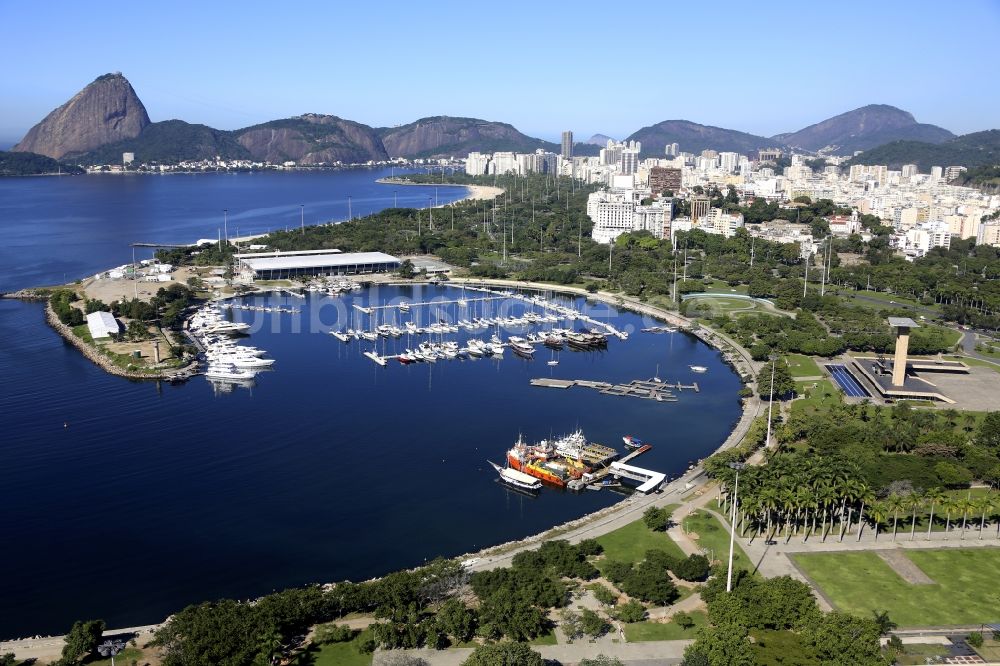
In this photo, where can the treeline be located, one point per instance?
(61, 301)
(33, 164)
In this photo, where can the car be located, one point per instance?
(770, 542)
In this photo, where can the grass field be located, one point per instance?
(335, 654)
(548, 638)
(964, 589)
(811, 399)
(714, 539)
(802, 366)
(721, 305)
(630, 543)
(658, 631)
(977, 363)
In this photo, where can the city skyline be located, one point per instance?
(231, 69)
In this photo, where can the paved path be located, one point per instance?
(648, 653)
(969, 348)
(49, 648)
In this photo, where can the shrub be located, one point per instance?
(630, 612)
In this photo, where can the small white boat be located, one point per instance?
(698, 368)
(516, 479)
(228, 372)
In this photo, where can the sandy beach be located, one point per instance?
(474, 192)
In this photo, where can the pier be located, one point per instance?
(638, 388)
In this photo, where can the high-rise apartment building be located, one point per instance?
(699, 208)
(672, 150)
(909, 170)
(662, 179)
(567, 145)
(630, 161)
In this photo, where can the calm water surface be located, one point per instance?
(127, 500)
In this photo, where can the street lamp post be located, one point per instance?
(770, 402)
(110, 648)
(732, 524)
(302, 217)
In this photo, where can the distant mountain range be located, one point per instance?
(968, 150)
(107, 118)
(863, 129)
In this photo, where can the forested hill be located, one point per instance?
(969, 150)
(32, 164)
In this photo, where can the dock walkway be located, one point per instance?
(637, 388)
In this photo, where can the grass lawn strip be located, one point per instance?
(860, 583)
(713, 538)
(659, 631)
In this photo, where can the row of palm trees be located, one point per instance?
(820, 497)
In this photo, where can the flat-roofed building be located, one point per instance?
(284, 265)
(102, 325)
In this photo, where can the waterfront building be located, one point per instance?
(102, 325)
(477, 164)
(285, 265)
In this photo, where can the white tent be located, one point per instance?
(102, 324)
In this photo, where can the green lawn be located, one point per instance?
(335, 654)
(802, 366)
(964, 589)
(811, 399)
(919, 653)
(723, 305)
(658, 631)
(711, 536)
(977, 363)
(630, 543)
(548, 638)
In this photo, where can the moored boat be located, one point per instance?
(516, 479)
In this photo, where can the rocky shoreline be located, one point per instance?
(106, 364)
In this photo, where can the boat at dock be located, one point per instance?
(632, 442)
(537, 460)
(517, 479)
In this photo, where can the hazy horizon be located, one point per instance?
(542, 69)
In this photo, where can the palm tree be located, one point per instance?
(914, 501)
(895, 503)
(965, 505)
(877, 512)
(827, 495)
(934, 496)
(947, 505)
(951, 416)
(984, 504)
(807, 500)
(969, 421)
(885, 625)
(867, 497)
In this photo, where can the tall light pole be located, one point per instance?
(350, 212)
(225, 223)
(770, 401)
(732, 524)
(302, 219)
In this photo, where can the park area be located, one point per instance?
(958, 586)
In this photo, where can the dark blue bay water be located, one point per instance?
(127, 500)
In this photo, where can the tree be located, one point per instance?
(504, 654)
(884, 622)
(845, 640)
(656, 518)
(630, 612)
(82, 640)
(593, 624)
(783, 382)
(8, 659)
(692, 568)
(648, 581)
(988, 434)
(504, 615)
(456, 620)
(406, 270)
(604, 595)
(684, 620)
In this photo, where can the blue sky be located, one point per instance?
(603, 67)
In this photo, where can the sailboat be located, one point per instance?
(656, 377)
(553, 360)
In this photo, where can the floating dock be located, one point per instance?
(649, 480)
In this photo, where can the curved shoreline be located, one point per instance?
(474, 192)
(92, 354)
(588, 526)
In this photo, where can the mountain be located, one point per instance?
(864, 128)
(694, 138)
(312, 139)
(599, 140)
(445, 136)
(32, 164)
(968, 150)
(106, 111)
(169, 142)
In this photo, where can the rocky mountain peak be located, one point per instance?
(105, 111)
